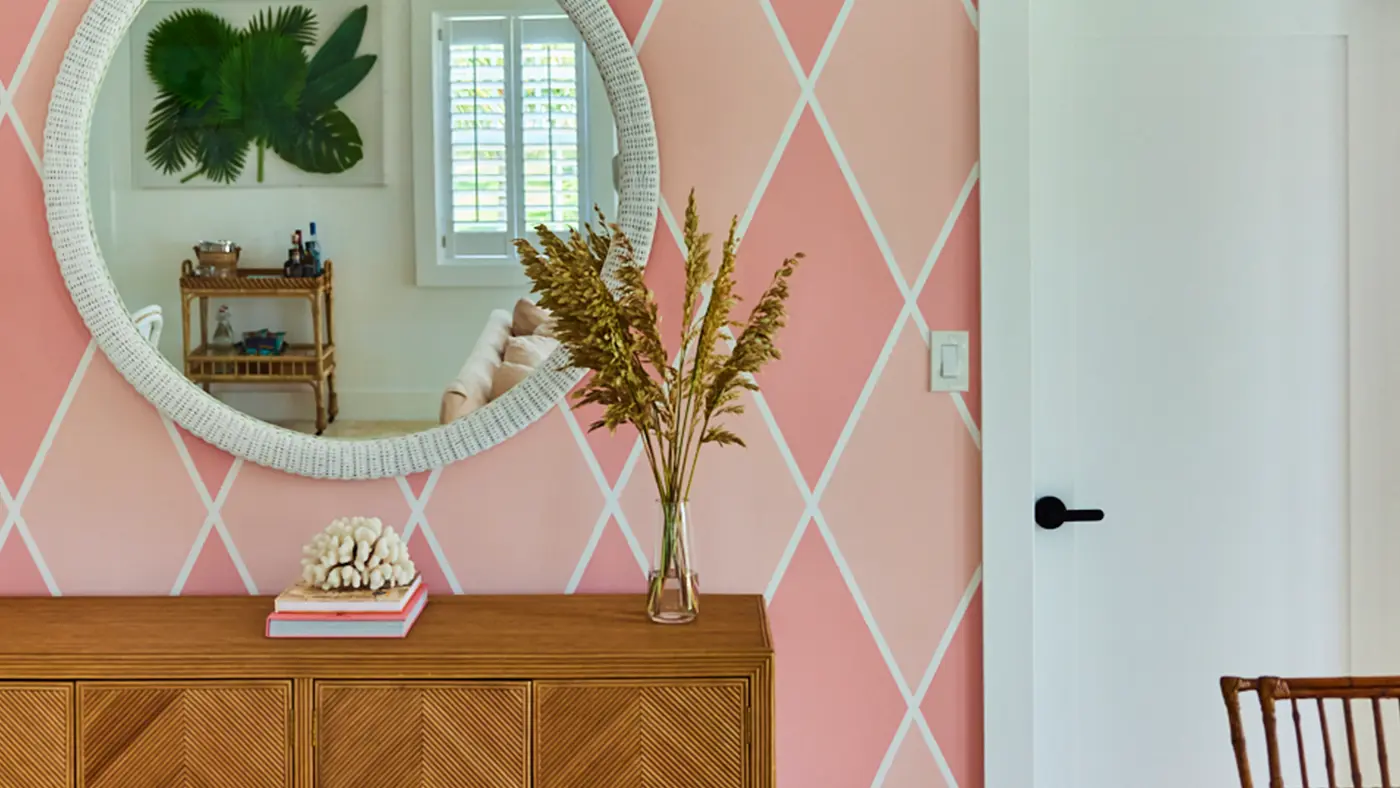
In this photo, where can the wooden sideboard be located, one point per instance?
(485, 692)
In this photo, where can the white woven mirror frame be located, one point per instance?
(85, 272)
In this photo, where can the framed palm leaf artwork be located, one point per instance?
(239, 93)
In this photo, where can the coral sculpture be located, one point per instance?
(357, 552)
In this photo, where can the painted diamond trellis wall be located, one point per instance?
(843, 128)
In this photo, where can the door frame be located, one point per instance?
(1008, 484)
(1008, 560)
(1374, 445)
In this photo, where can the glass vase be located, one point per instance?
(672, 587)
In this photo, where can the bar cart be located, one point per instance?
(312, 363)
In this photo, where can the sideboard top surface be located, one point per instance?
(496, 626)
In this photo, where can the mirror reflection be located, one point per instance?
(309, 207)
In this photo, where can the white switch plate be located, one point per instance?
(948, 361)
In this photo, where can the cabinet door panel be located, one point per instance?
(184, 733)
(422, 734)
(662, 734)
(36, 735)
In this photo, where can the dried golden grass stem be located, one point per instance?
(677, 407)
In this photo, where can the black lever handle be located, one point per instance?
(1051, 513)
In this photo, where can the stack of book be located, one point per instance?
(304, 611)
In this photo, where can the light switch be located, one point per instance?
(948, 360)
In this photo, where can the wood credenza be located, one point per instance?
(485, 692)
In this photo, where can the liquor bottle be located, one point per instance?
(313, 251)
(223, 330)
(294, 265)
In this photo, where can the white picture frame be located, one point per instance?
(364, 105)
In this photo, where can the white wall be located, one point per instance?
(398, 344)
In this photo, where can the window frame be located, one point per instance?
(435, 265)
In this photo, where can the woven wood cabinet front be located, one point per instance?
(36, 735)
(406, 735)
(544, 691)
(138, 734)
(641, 734)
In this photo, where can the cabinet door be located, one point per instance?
(184, 733)
(422, 735)
(660, 734)
(36, 735)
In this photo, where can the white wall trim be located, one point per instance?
(1008, 563)
(1374, 324)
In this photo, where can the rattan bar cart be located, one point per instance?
(313, 363)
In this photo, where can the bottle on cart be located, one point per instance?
(294, 264)
(314, 254)
(223, 330)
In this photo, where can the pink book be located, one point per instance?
(348, 625)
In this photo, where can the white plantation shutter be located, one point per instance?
(515, 131)
(479, 107)
(551, 89)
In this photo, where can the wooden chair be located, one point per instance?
(1318, 708)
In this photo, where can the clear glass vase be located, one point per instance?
(672, 588)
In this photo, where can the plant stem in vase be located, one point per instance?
(672, 596)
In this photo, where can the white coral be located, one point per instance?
(357, 552)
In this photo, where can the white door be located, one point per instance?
(1164, 288)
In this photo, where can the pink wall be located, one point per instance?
(848, 131)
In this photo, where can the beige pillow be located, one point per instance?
(473, 383)
(507, 376)
(528, 317)
(529, 351)
(495, 333)
(455, 405)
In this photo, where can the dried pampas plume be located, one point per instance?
(357, 552)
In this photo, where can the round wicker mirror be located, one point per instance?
(128, 342)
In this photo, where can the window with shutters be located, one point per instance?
(512, 130)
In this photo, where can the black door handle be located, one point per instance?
(1051, 513)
